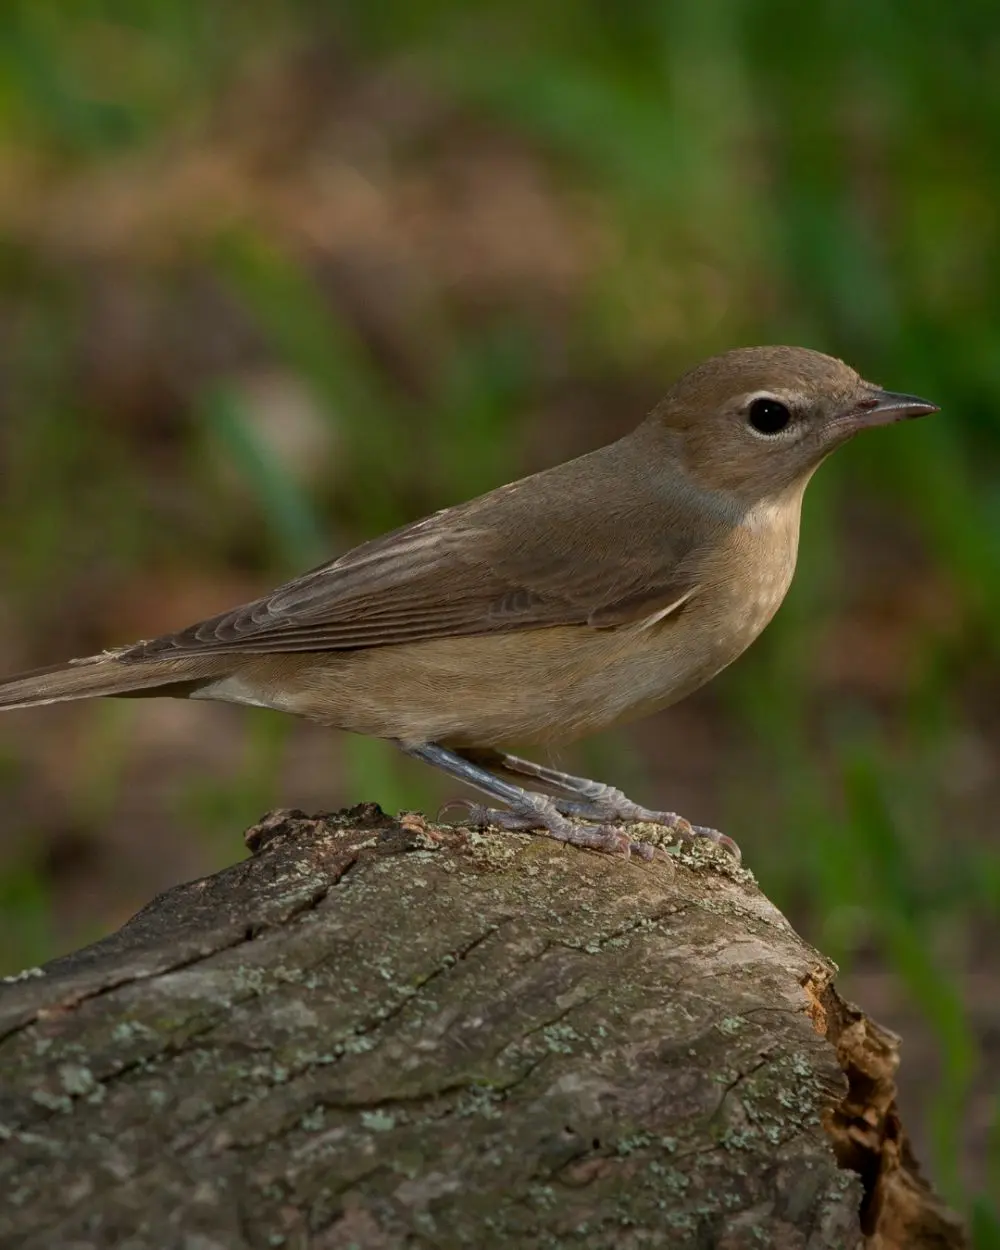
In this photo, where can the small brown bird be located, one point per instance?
(595, 591)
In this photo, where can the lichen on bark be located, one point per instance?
(381, 1033)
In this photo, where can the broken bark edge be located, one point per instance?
(900, 1207)
(521, 926)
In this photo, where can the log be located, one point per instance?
(379, 1033)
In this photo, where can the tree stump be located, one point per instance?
(381, 1033)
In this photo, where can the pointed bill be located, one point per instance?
(885, 407)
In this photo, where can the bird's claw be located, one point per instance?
(686, 832)
(601, 837)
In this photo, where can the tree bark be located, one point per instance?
(380, 1033)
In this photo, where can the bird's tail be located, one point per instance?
(105, 674)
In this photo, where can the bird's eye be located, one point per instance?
(769, 416)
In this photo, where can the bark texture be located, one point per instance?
(379, 1033)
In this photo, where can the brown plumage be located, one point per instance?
(557, 605)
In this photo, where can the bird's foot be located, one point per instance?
(583, 799)
(541, 813)
(687, 832)
(613, 806)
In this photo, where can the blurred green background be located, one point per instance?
(277, 275)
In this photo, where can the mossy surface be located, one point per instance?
(377, 1034)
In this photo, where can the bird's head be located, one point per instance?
(756, 422)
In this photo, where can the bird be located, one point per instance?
(596, 591)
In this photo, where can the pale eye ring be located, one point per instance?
(769, 416)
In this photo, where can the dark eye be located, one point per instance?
(769, 416)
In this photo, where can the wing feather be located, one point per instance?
(475, 569)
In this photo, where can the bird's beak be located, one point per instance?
(885, 407)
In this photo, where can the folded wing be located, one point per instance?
(478, 568)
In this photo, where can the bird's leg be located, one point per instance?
(526, 809)
(593, 800)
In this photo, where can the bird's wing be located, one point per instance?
(465, 570)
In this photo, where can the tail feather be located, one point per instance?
(98, 675)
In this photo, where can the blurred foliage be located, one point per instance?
(278, 275)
